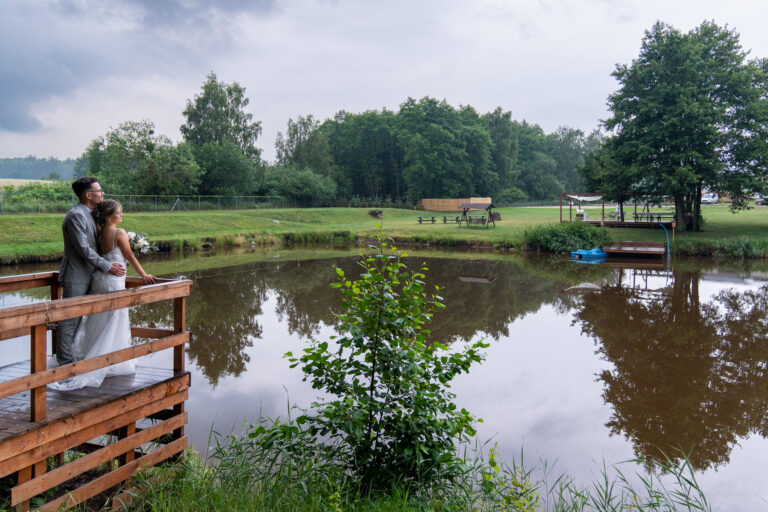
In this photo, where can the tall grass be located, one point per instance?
(740, 247)
(272, 469)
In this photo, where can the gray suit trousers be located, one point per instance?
(65, 335)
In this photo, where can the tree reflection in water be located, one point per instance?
(689, 377)
(223, 311)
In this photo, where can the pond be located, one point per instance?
(587, 363)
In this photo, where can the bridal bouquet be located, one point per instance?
(139, 243)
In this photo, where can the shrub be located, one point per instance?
(566, 237)
(389, 412)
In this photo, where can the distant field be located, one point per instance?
(4, 182)
(40, 234)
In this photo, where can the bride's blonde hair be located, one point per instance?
(102, 212)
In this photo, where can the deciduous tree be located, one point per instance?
(691, 114)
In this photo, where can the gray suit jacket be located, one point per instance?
(80, 257)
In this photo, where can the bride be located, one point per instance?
(106, 332)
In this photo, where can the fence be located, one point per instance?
(52, 203)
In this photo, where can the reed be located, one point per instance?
(277, 471)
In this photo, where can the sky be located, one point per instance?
(72, 69)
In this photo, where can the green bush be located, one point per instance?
(741, 247)
(566, 237)
(389, 413)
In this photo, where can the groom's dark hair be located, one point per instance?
(83, 184)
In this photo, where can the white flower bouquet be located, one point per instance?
(139, 243)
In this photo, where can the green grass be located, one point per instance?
(253, 476)
(39, 235)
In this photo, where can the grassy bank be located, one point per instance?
(244, 475)
(37, 237)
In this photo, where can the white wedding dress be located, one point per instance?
(101, 333)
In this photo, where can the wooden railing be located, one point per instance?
(35, 319)
(26, 453)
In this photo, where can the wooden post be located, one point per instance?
(38, 364)
(55, 295)
(179, 321)
(124, 432)
(23, 475)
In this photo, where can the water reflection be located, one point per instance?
(689, 376)
(686, 370)
(223, 312)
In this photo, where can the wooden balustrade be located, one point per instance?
(25, 447)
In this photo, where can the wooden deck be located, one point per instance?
(127, 423)
(634, 249)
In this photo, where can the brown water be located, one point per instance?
(587, 363)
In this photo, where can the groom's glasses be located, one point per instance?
(97, 191)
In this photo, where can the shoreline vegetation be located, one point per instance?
(36, 238)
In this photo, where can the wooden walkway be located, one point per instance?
(129, 422)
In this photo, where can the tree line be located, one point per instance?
(33, 168)
(427, 148)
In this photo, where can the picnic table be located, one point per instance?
(489, 218)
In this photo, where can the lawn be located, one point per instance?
(40, 234)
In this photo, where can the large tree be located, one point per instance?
(691, 114)
(217, 115)
(133, 159)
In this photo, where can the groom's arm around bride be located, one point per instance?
(81, 258)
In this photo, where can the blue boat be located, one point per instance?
(588, 255)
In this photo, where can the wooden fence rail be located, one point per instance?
(26, 447)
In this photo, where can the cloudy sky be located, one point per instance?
(71, 69)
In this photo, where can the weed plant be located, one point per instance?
(565, 237)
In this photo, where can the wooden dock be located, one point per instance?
(635, 249)
(128, 423)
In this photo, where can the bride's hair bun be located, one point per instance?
(103, 211)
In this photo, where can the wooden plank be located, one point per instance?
(150, 332)
(38, 364)
(42, 434)
(43, 378)
(115, 477)
(79, 466)
(16, 333)
(79, 437)
(26, 281)
(53, 311)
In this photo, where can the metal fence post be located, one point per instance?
(155, 203)
(198, 203)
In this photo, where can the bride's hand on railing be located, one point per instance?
(149, 279)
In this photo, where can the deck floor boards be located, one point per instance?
(15, 409)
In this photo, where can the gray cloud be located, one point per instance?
(50, 49)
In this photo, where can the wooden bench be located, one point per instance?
(446, 220)
(423, 220)
(477, 220)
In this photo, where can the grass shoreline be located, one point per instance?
(36, 238)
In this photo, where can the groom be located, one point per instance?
(81, 258)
